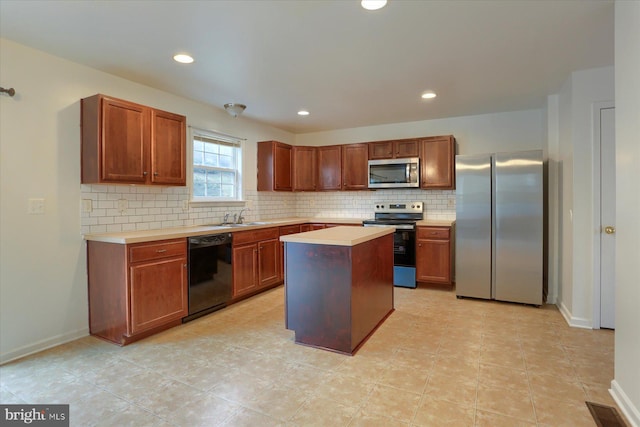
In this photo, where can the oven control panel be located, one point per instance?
(403, 207)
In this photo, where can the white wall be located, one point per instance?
(626, 386)
(486, 133)
(576, 188)
(43, 288)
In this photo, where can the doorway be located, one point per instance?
(604, 215)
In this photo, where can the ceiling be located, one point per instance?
(349, 67)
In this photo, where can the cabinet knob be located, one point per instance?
(155, 174)
(160, 251)
(145, 173)
(184, 265)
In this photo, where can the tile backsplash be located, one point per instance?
(117, 208)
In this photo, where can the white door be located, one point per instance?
(607, 217)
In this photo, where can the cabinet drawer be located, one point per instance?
(289, 229)
(433, 233)
(241, 237)
(156, 250)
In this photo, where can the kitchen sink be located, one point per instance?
(244, 224)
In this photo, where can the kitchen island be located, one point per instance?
(338, 285)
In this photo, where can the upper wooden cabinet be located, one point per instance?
(305, 165)
(437, 158)
(329, 168)
(400, 148)
(355, 175)
(127, 143)
(274, 166)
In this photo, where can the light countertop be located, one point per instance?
(436, 223)
(338, 236)
(140, 236)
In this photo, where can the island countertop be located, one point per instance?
(339, 236)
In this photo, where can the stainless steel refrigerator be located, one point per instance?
(500, 226)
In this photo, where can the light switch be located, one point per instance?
(36, 207)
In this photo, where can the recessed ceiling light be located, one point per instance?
(373, 4)
(303, 113)
(183, 58)
(429, 95)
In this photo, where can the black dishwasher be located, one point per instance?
(210, 274)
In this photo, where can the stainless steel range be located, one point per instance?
(403, 216)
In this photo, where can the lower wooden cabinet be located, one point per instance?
(434, 257)
(256, 260)
(136, 289)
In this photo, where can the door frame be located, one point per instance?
(596, 146)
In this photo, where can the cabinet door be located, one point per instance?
(433, 261)
(329, 168)
(268, 262)
(168, 148)
(245, 269)
(355, 175)
(380, 150)
(304, 168)
(125, 140)
(406, 148)
(158, 292)
(437, 156)
(282, 167)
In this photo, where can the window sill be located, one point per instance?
(214, 203)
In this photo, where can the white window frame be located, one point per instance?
(220, 138)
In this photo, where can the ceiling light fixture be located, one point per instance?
(234, 109)
(303, 113)
(373, 4)
(429, 95)
(183, 58)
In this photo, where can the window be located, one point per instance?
(217, 161)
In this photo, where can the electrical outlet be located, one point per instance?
(185, 205)
(36, 207)
(451, 202)
(123, 204)
(87, 205)
(249, 204)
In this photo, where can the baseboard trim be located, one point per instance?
(42, 345)
(626, 406)
(574, 322)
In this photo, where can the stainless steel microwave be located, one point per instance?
(394, 173)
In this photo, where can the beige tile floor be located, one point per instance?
(435, 361)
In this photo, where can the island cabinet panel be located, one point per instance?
(274, 166)
(127, 143)
(305, 165)
(434, 255)
(437, 158)
(329, 168)
(136, 290)
(256, 261)
(355, 174)
(336, 296)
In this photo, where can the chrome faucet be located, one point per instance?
(240, 217)
(225, 220)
